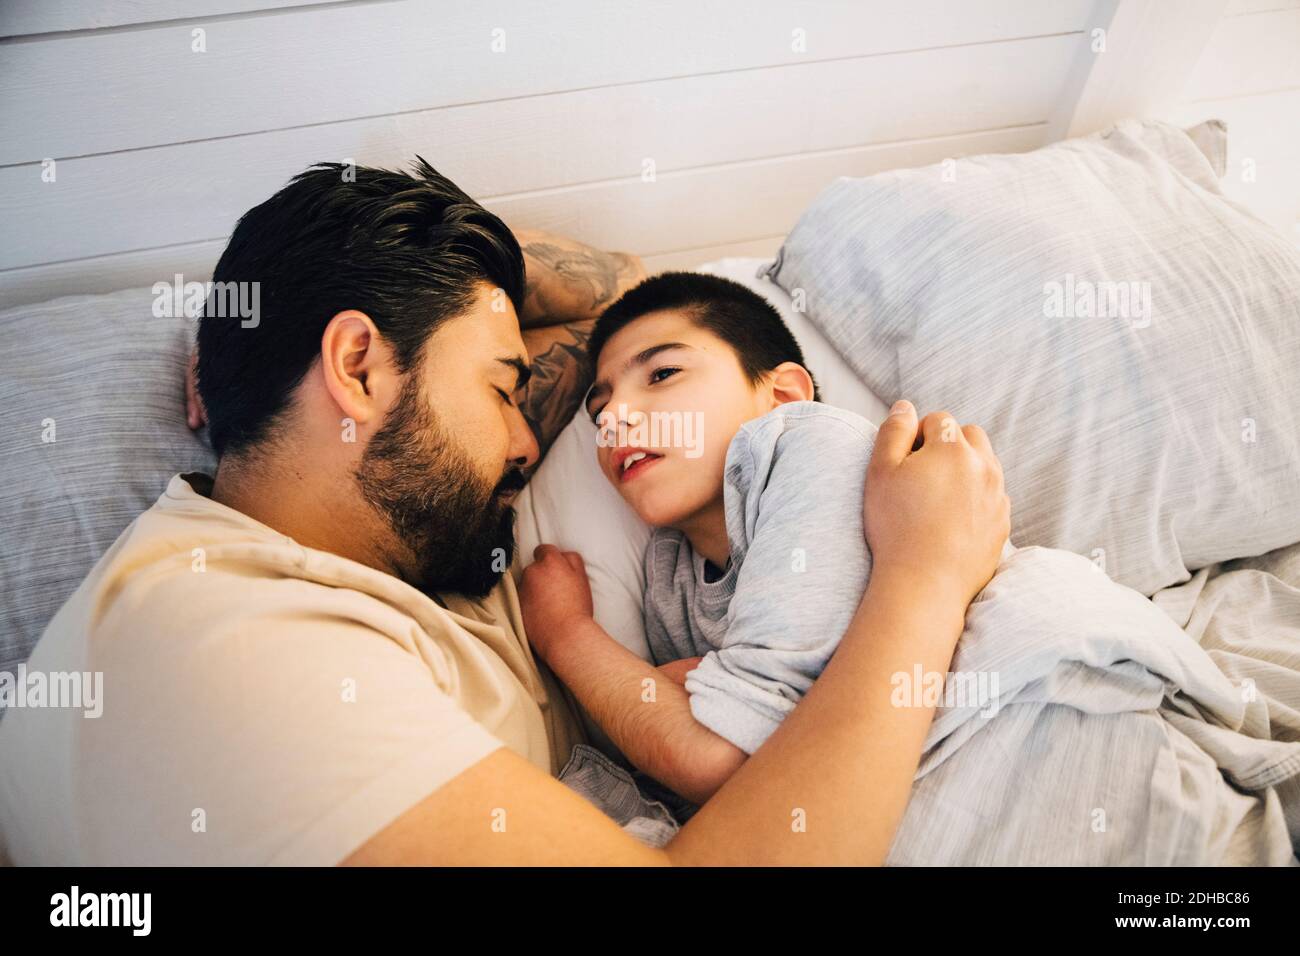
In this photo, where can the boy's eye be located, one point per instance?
(669, 370)
(504, 396)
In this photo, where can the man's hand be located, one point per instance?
(196, 416)
(554, 596)
(936, 508)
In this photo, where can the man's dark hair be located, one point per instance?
(739, 316)
(407, 250)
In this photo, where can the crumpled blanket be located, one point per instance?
(1112, 737)
(1083, 724)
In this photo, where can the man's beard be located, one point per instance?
(453, 522)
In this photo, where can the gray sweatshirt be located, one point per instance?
(766, 625)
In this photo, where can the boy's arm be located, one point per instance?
(677, 670)
(801, 481)
(645, 712)
(796, 592)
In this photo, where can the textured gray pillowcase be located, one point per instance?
(111, 376)
(1154, 440)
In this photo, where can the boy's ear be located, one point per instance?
(790, 382)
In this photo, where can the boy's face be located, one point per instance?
(676, 391)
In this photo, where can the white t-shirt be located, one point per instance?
(262, 702)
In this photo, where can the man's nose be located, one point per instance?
(523, 450)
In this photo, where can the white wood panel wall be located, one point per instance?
(551, 113)
(1249, 76)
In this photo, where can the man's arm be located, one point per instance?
(569, 285)
(562, 373)
(568, 281)
(831, 784)
(828, 787)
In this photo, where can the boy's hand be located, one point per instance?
(554, 596)
(677, 670)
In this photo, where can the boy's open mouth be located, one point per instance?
(630, 462)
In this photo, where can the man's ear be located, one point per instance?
(356, 365)
(790, 383)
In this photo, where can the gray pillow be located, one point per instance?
(1156, 435)
(104, 378)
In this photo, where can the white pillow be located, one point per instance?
(569, 503)
(1156, 438)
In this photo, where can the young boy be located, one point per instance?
(755, 567)
(712, 430)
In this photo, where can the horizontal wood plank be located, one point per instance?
(127, 89)
(189, 192)
(687, 210)
(687, 259)
(22, 18)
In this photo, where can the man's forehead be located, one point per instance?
(487, 325)
(482, 341)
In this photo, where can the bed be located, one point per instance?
(90, 384)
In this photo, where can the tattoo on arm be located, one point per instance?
(574, 280)
(562, 373)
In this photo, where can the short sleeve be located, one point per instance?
(292, 736)
(656, 634)
(795, 499)
(666, 617)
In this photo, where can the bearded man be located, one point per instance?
(318, 654)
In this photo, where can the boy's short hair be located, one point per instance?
(739, 316)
